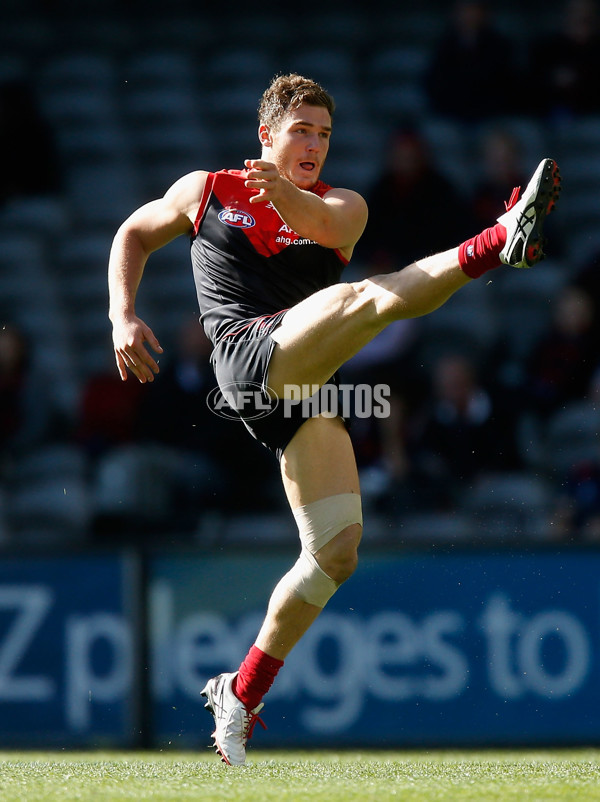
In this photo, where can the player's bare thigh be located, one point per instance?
(319, 462)
(320, 334)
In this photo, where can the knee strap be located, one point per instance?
(308, 581)
(321, 521)
(318, 523)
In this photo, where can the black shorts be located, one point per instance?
(241, 364)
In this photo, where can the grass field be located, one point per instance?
(302, 776)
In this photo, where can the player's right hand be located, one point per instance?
(129, 336)
(265, 178)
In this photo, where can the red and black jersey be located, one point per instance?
(247, 262)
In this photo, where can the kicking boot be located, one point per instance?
(524, 218)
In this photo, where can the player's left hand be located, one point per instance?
(263, 176)
(129, 335)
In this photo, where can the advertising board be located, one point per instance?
(67, 651)
(416, 649)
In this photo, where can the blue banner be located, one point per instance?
(67, 651)
(414, 650)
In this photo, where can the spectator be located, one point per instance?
(471, 76)
(380, 442)
(108, 414)
(562, 364)
(577, 513)
(397, 233)
(30, 413)
(159, 457)
(458, 434)
(565, 65)
(588, 279)
(210, 464)
(500, 171)
(106, 431)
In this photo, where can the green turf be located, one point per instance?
(302, 776)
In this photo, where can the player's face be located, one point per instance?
(300, 145)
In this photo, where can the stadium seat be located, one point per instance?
(451, 148)
(572, 435)
(135, 108)
(158, 105)
(102, 195)
(83, 251)
(13, 67)
(168, 69)
(102, 143)
(20, 254)
(167, 150)
(509, 507)
(248, 67)
(173, 139)
(408, 26)
(131, 481)
(5, 533)
(429, 528)
(530, 136)
(81, 280)
(398, 64)
(393, 84)
(332, 66)
(524, 306)
(54, 511)
(54, 461)
(92, 71)
(353, 28)
(577, 136)
(77, 106)
(48, 211)
(23, 264)
(253, 530)
(452, 325)
(579, 222)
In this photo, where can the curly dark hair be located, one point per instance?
(288, 92)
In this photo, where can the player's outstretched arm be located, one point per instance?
(149, 228)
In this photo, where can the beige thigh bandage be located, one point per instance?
(318, 523)
(321, 521)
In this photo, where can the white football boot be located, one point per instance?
(234, 724)
(524, 218)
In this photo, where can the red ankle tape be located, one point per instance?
(482, 253)
(256, 675)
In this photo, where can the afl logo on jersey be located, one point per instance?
(236, 218)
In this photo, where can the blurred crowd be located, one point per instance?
(494, 423)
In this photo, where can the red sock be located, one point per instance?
(482, 253)
(256, 675)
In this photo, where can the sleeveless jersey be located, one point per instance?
(247, 262)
